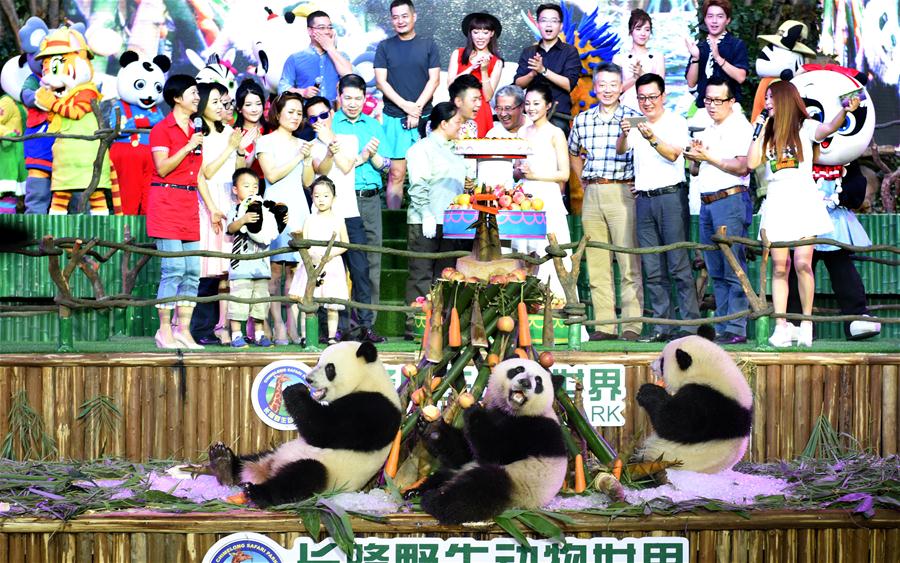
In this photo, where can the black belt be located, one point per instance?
(367, 193)
(660, 191)
(176, 186)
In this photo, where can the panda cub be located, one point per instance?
(342, 443)
(510, 452)
(703, 416)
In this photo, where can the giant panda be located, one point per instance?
(703, 415)
(510, 452)
(343, 442)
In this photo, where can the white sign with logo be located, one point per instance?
(268, 386)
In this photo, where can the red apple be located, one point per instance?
(504, 201)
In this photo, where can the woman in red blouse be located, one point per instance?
(173, 208)
(479, 58)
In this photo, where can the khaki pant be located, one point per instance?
(608, 216)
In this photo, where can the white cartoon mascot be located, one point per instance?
(824, 89)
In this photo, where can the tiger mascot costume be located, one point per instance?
(66, 92)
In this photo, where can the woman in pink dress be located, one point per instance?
(479, 58)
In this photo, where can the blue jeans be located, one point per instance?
(734, 213)
(178, 276)
(358, 266)
(662, 220)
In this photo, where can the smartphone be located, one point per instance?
(633, 121)
(845, 98)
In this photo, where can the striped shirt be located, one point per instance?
(595, 139)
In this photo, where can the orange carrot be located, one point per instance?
(435, 381)
(580, 481)
(520, 352)
(524, 329)
(393, 460)
(238, 498)
(617, 469)
(454, 337)
(414, 485)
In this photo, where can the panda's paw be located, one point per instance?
(296, 392)
(650, 395)
(221, 463)
(430, 432)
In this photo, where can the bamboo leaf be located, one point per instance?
(510, 528)
(542, 525)
(312, 522)
(564, 518)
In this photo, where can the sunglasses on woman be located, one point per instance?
(321, 116)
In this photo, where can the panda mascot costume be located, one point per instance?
(510, 452)
(842, 186)
(343, 441)
(702, 416)
(140, 84)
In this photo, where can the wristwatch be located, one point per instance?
(545, 71)
(654, 144)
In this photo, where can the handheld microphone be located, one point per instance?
(759, 126)
(198, 128)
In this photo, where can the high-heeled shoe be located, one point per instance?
(805, 336)
(162, 344)
(185, 343)
(781, 336)
(223, 335)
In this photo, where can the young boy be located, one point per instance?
(250, 278)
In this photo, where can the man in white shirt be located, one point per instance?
(719, 162)
(661, 208)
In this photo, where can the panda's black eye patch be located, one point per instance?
(330, 372)
(515, 371)
(684, 359)
(538, 385)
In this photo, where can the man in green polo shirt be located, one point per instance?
(350, 120)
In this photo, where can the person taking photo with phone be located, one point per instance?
(662, 204)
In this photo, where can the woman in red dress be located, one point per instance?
(480, 59)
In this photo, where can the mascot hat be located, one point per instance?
(61, 41)
(789, 35)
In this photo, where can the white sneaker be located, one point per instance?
(805, 336)
(781, 336)
(860, 330)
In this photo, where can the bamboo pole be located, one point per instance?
(873, 429)
(787, 408)
(890, 402)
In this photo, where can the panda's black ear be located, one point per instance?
(367, 352)
(683, 358)
(127, 58)
(163, 62)
(707, 331)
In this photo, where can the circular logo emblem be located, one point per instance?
(245, 547)
(266, 394)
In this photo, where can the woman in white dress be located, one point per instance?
(638, 60)
(544, 173)
(220, 145)
(793, 209)
(286, 162)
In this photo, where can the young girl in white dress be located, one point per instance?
(793, 209)
(286, 162)
(322, 225)
(638, 60)
(544, 173)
